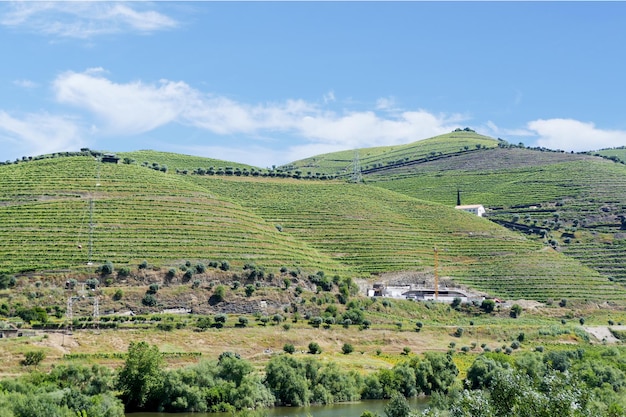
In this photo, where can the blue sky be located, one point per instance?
(267, 83)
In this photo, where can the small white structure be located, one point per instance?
(475, 209)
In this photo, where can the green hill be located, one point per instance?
(373, 159)
(617, 154)
(573, 202)
(138, 213)
(174, 161)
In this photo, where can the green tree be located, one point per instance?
(141, 378)
(397, 406)
(347, 348)
(289, 348)
(286, 379)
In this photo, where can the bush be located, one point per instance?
(249, 290)
(219, 293)
(171, 273)
(149, 300)
(123, 272)
(143, 265)
(224, 266)
(33, 358)
(92, 283)
(243, 321)
(153, 289)
(347, 348)
(516, 311)
(289, 348)
(106, 268)
(118, 295)
(314, 348)
(488, 306)
(187, 275)
(458, 332)
(6, 281)
(200, 268)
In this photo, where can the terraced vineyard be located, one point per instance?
(576, 199)
(619, 153)
(376, 231)
(174, 161)
(384, 225)
(371, 159)
(138, 214)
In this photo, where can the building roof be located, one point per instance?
(470, 206)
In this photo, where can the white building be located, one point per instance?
(475, 209)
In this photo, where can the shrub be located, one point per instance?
(516, 311)
(582, 321)
(488, 306)
(118, 294)
(458, 332)
(249, 290)
(153, 289)
(243, 321)
(92, 283)
(289, 348)
(106, 268)
(406, 350)
(123, 272)
(347, 348)
(196, 283)
(224, 266)
(219, 293)
(33, 358)
(149, 300)
(314, 348)
(200, 268)
(563, 303)
(187, 275)
(171, 273)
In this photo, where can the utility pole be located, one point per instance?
(356, 171)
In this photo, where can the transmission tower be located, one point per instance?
(356, 172)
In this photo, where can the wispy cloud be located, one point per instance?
(574, 135)
(38, 133)
(85, 19)
(28, 84)
(138, 107)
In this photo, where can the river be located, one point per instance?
(333, 410)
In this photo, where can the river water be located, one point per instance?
(333, 410)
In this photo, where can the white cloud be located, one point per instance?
(138, 107)
(574, 135)
(28, 84)
(36, 134)
(126, 108)
(84, 19)
(385, 103)
(329, 97)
